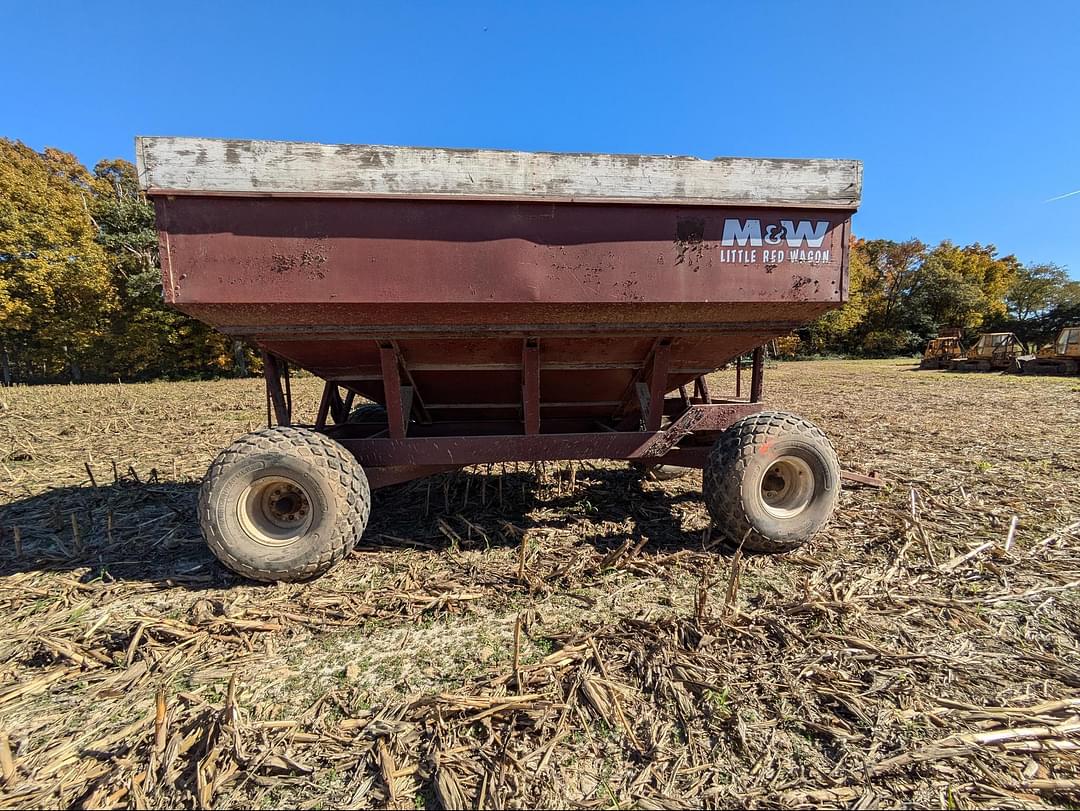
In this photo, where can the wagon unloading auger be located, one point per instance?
(489, 306)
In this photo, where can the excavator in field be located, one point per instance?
(941, 350)
(1062, 357)
(993, 351)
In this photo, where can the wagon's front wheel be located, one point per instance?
(771, 482)
(283, 504)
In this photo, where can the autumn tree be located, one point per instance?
(80, 284)
(891, 269)
(836, 330)
(961, 287)
(56, 294)
(902, 293)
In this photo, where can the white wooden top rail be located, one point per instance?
(206, 166)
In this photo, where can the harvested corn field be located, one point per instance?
(544, 635)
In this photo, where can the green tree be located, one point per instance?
(125, 223)
(1065, 312)
(1036, 289)
(891, 271)
(147, 339)
(1040, 302)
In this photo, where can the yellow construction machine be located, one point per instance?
(1062, 357)
(942, 349)
(993, 351)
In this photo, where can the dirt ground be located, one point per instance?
(555, 635)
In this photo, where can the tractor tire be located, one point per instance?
(368, 412)
(283, 503)
(771, 482)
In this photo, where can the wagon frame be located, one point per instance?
(670, 430)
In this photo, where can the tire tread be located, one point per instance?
(341, 473)
(723, 474)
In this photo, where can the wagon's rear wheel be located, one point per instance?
(283, 504)
(771, 482)
(368, 412)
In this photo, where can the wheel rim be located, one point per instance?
(787, 488)
(275, 511)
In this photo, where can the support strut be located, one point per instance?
(395, 407)
(282, 404)
(658, 385)
(331, 405)
(757, 375)
(530, 385)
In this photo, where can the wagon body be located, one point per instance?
(322, 255)
(501, 306)
(457, 286)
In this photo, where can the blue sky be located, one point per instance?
(967, 115)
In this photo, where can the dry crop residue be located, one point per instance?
(552, 635)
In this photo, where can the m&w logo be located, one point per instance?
(797, 234)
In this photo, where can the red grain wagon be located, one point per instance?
(494, 306)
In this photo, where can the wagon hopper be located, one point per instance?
(489, 306)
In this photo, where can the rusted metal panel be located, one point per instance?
(460, 450)
(873, 480)
(291, 252)
(457, 285)
(709, 418)
(472, 450)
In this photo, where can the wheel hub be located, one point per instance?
(275, 511)
(787, 487)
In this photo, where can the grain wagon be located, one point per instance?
(482, 306)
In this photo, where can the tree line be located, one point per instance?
(80, 286)
(902, 293)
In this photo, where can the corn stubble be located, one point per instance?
(544, 635)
